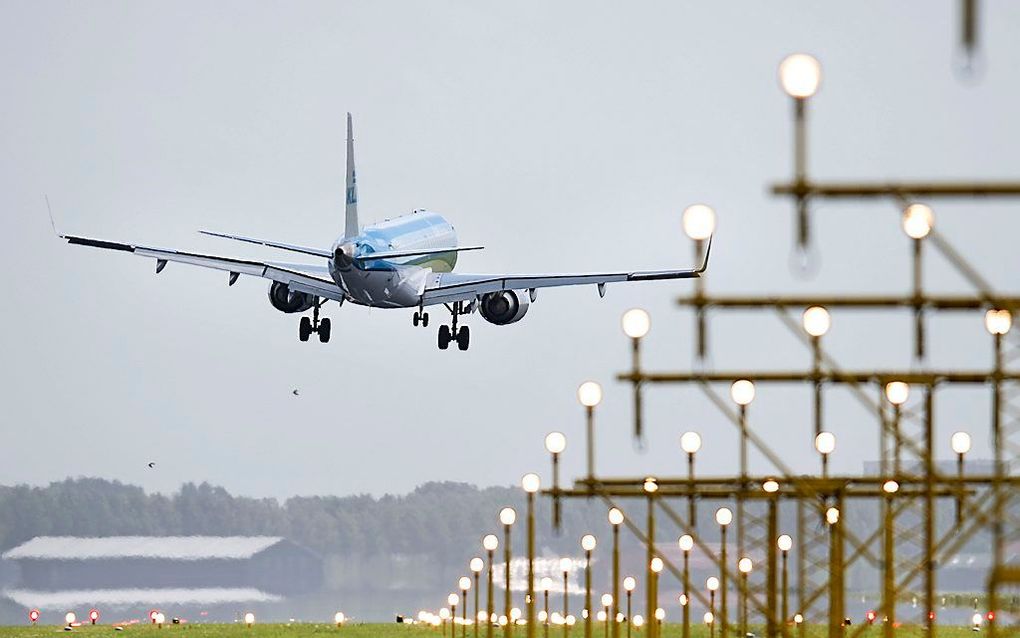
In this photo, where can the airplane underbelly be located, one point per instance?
(398, 288)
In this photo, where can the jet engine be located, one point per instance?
(286, 300)
(504, 307)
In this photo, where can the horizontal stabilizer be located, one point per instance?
(318, 252)
(394, 254)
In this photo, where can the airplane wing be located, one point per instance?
(314, 280)
(318, 252)
(451, 287)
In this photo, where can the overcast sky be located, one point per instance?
(562, 136)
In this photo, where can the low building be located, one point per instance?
(263, 567)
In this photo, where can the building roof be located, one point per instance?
(161, 547)
(61, 600)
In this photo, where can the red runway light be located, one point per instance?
(991, 615)
(33, 615)
(152, 616)
(94, 615)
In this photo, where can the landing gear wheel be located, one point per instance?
(444, 337)
(324, 329)
(415, 319)
(464, 337)
(304, 328)
(425, 319)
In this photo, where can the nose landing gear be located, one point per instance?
(451, 333)
(321, 327)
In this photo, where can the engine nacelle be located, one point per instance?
(504, 307)
(286, 300)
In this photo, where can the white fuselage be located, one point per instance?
(393, 283)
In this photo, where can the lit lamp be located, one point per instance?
(588, 545)
(686, 543)
(607, 603)
(744, 567)
(249, 619)
(825, 443)
(660, 615)
(161, 618)
(654, 569)
(33, 616)
(723, 516)
(69, 618)
(629, 583)
(636, 323)
(555, 443)
(785, 544)
(699, 224)
(490, 543)
(546, 586)
(465, 584)
(639, 621)
(918, 220)
(897, 393)
(589, 394)
(712, 584)
(690, 443)
(800, 74)
(339, 618)
(565, 566)
(531, 484)
(961, 445)
(616, 519)
(507, 516)
(816, 322)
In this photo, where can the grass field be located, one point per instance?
(391, 631)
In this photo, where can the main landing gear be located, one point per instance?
(450, 333)
(308, 326)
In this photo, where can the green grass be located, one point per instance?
(391, 630)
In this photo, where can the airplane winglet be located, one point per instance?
(49, 210)
(708, 252)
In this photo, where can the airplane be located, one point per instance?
(404, 262)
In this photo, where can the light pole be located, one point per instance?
(825, 443)
(690, 442)
(588, 545)
(651, 486)
(744, 567)
(742, 393)
(785, 543)
(507, 516)
(699, 224)
(629, 583)
(465, 585)
(800, 74)
(771, 488)
(636, 323)
(565, 566)
(917, 224)
(654, 569)
(660, 616)
(546, 586)
(589, 394)
(686, 543)
(531, 484)
(723, 516)
(889, 488)
(836, 597)
(897, 393)
(555, 443)
(452, 601)
(712, 584)
(490, 543)
(998, 321)
(960, 442)
(816, 321)
(475, 565)
(444, 615)
(616, 519)
(607, 604)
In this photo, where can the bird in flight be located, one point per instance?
(152, 465)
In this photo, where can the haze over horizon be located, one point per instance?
(563, 138)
